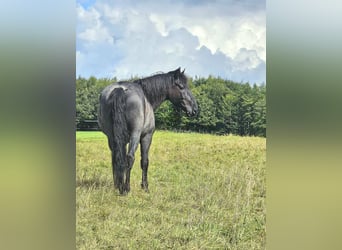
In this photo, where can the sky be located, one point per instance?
(125, 38)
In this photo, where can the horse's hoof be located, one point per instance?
(123, 193)
(145, 187)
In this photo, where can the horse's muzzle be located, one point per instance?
(194, 112)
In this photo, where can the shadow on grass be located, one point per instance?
(92, 183)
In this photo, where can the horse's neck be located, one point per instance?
(155, 97)
(155, 102)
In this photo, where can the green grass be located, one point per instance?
(206, 192)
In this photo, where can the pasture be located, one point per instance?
(206, 192)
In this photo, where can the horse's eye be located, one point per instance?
(180, 85)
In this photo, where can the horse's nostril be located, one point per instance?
(195, 111)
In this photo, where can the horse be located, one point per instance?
(126, 116)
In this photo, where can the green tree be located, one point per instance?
(86, 99)
(225, 106)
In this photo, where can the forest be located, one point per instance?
(226, 107)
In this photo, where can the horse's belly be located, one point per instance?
(149, 123)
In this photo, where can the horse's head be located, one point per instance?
(180, 94)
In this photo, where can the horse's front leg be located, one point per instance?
(133, 145)
(145, 144)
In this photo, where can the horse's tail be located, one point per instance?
(120, 137)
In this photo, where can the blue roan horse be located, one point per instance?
(126, 115)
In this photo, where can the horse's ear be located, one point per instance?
(183, 71)
(178, 70)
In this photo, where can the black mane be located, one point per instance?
(156, 87)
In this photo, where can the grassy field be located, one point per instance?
(206, 192)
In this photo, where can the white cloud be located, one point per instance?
(90, 27)
(246, 59)
(125, 39)
(226, 33)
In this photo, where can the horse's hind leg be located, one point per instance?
(111, 146)
(133, 145)
(145, 144)
(115, 174)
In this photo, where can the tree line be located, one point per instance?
(226, 107)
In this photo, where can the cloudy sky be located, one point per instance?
(125, 38)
